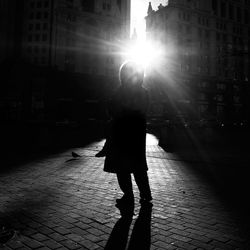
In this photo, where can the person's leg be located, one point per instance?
(106, 146)
(141, 179)
(125, 183)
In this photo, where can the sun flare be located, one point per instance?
(144, 53)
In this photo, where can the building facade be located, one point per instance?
(60, 56)
(206, 66)
(74, 35)
(10, 29)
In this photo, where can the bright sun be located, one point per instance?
(143, 53)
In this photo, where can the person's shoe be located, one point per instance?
(125, 201)
(146, 201)
(126, 206)
(101, 153)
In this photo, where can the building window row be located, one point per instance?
(221, 37)
(70, 18)
(221, 86)
(38, 26)
(203, 33)
(39, 4)
(231, 11)
(37, 37)
(237, 30)
(221, 26)
(39, 60)
(203, 21)
(39, 15)
(106, 5)
(184, 16)
(37, 50)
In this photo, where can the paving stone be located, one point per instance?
(61, 230)
(70, 244)
(61, 204)
(39, 237)
(33, 244)
(57, 237)
(52, 244)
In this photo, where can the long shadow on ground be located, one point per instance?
(141, 232)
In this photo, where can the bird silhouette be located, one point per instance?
(75, 155)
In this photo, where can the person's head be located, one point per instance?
(131, 74)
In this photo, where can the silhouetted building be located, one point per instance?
(59, 57)
(206, 64)
(10, 29)
(74, 35)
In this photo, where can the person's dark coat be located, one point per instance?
(127, 145)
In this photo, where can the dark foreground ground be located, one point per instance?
(54, 201)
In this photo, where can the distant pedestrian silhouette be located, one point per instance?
(126, 151)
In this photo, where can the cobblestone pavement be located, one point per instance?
(60, 202)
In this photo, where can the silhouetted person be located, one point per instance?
(126, 152)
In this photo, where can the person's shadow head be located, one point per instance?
(141, 234)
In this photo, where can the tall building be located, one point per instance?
(206, 55)
(74, 35)
(10, 29)
(59, 45)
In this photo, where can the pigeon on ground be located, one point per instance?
(75, 155)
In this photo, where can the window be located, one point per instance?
(204, 84)
(214, 6)
(207, 34)
(223, 9)
(39, 4)
(38, 26)
(246, 19)
(31, 26)
(203, 109)
(106, 5)
(236, 99)
(31, 16)
(221, 86)
(46, 15)
(220, 109)
(32, 4)
(44, 50)
(43, 60)
(45, 26)
(29, 49)
(44, 37)
(231, 12)
(218, 36)
(188, 29)
(38, 15)
(200, 32)
(239, 14)
(220, 98)
(36, 49)
(30, 38)
(37, 37)
(46, 4)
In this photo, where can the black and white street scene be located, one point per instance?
(125, 124)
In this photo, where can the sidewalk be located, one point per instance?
(61, 202)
